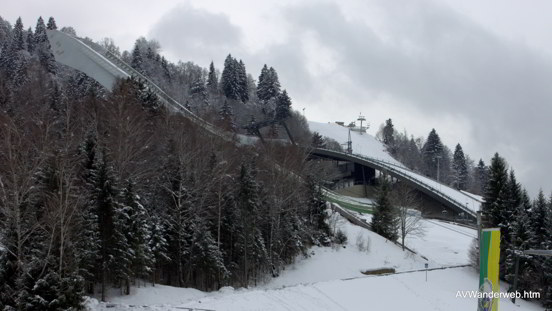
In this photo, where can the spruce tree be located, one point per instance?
(165, 69)
(460, 169)
(317, 215)
(243, 88)
(432, 154)
(507, 204)
(283, 107)
(520, 236)
(114, 254)
(43, 50)
(229, 80)
(212, 80)
(274, 83)
(158, 245)
(498, 179)
(389, 133)
(18, 39)
(268, 86)
(540, 226)
(30, 41)
(263, 84)
(176, 199)
(206, 257)
(137, 60)
(318, 141)
(539, 214)
(40, 32)
(227, 117)
(198, 90)
(547, 261)
(480, 177)
(87, 247)
(384, 220)
(252, 244)
(137, 233)
(14, 60)
(51, 24)
(88, 244)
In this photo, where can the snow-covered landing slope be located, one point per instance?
(367, 145)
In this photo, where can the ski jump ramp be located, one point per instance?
(451, 198)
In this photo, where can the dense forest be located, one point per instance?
(106, 189)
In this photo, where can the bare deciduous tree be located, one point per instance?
(408, 212)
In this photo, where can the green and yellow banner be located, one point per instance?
(489, 255)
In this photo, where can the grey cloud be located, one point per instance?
(443, 63)
(196, 34)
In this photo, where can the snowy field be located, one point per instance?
(442, 243)
(331, 279)
(367, 145)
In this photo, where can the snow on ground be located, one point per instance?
(339, 263)
(408, 291)
(367, 145)
(331, 279)
(442, 243)
(158, 295)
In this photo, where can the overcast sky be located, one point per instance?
(479, 72)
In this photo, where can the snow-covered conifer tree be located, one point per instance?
(283, 107)
(384, 220)
(212, 80)
(459, 169)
